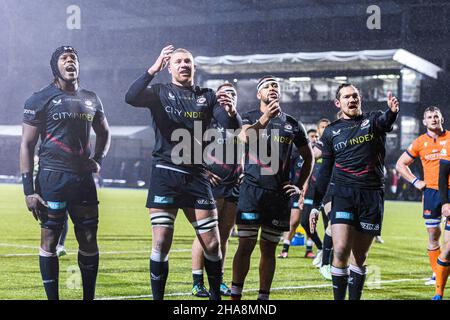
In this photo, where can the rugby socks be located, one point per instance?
(197, 277)
(356, 282)
(263, 295)
(442, 273)
(286, 245)
(316, 239)
(340, 282)
(88, 264)
(309, 245)
(49, 266)
(213, 268)
(236, 290)
(158, 275)
(434, 254)
(327, 249)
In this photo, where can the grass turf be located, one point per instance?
(124, 237)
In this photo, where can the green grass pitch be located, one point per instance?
(397, 268)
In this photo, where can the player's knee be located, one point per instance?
(162, 219)
(205, 225)
(341, 252)
(86, 233)
(212, 246)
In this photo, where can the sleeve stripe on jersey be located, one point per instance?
(409, 154)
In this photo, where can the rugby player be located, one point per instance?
(428, 147)
(443, 262)
(62, 115)
(178, 179)
(354, 146)
(224, 179)
(266, 191)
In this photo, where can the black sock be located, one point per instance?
(327, 249)
(325, 219)
(316, 239)
(197, 278)
(158, 275)
(356, 283)
(50, 271)
(340, 282)
(213, 271)
(89, 269)
(285, 247)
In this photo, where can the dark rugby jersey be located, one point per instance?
(64, 120)
(357, 147)
(227, 169)
(173, 107)
(290, 131)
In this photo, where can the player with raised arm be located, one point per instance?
(62, 115)
(266, 190)
(427, 147)
(181, 111)
(354, 147)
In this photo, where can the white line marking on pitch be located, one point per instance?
(178, 294)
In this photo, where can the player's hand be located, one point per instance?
(420, 185)
(33, 202)
(228, 102)
(446, 210)
(162, 60)
(214, 179)
(313, 219)
(93, 166)
(393, 102)
(292, 190)
(273, 109)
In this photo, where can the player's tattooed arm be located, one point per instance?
(444, 172)
(30, 136)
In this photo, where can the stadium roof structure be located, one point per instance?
(317, 61)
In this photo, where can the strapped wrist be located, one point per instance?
(27, 182)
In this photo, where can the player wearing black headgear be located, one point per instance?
(62, 115)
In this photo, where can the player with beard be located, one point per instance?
(266, 190)
(354, 146)
(181, 111)
(62, 115)
(428, 147)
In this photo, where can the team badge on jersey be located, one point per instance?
(365, 124)
(201, 101)
(171, 96)
(288, 127)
